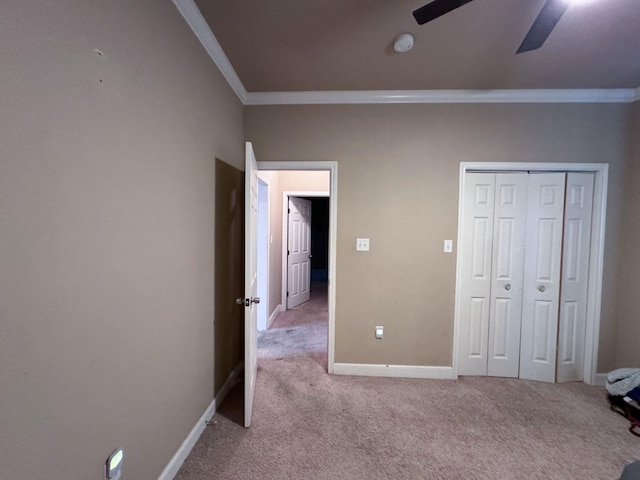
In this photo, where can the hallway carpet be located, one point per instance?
(301, 331)
(310, 425)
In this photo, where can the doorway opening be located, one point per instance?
(306, 191)
(313, 245)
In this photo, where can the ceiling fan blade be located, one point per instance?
(436, 9)
(551, 12)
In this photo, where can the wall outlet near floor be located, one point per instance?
(379, 332)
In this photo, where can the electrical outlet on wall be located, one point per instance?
(362, 244)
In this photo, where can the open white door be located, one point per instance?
(299, 252)
(250, 281)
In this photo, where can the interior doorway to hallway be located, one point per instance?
(313, 184)
(305, 245)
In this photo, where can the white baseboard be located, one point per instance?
(401, 371)
(181, 455)
(601, 379)
(274, 315)
(413, 371)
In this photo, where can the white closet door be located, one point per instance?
(575, 271)
(505, 312)
(543, 258)
(475, 291)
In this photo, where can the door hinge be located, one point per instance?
(287, 294)
(288, 210)
(288, 252)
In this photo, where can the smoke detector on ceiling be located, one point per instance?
(403, 43)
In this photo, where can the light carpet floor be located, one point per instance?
(310, 425)
(300, 331)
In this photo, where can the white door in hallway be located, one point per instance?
(575, 271)
(298, 252)
(543, 258)
(250, 299)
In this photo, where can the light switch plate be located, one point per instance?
(448, 246)
(362, 244)
(379, 332)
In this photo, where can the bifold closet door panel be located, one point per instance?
(543, 258)
(475, 269)
(575, 272)
(505, 312)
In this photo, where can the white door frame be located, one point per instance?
(332, 167)
(285, 236)
(596, 254)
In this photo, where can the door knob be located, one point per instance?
(507, 286)
(247, 301)
(541, 288)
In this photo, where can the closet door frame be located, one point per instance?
(596, 252)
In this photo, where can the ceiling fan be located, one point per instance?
(547, 19)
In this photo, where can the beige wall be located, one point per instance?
(114, 226)
(398, 168)
(107, 191)
(279, 182)
(628, 351)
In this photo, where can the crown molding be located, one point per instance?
(444, 96)
(192, 15)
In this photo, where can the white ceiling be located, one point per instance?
(334, 45)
